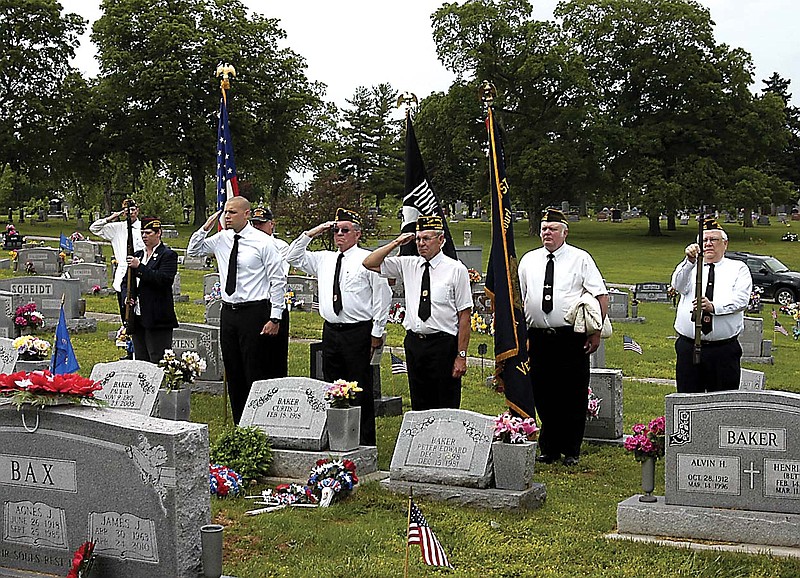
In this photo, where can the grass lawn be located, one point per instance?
(364, 535)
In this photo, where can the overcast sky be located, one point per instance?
(351, 43)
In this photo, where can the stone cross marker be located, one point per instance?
(8, 355)
(129, 385)
(291, 410)
(444, 446)
(734, 449)
(136, 486)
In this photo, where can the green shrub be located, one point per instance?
(245, 450)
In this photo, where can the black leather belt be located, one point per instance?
(711, 343)
(566, 330)
(244, 304)
(434, 335)
(341, 326)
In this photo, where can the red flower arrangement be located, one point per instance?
(42, 388)
(82, 561)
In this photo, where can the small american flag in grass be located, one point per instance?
(398, 365)
(420, 533)
(630, 344)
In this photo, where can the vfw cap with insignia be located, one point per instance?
(348, 215)
(711, 224)
(128, 204)
(430, 223)
(151, 224)
(261, 214)
(554, 216)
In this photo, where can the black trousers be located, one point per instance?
(149, 344)
(430, 360)
(346, 352)
(718, 370)
(276, 348)
(560, 379)
(243, 349)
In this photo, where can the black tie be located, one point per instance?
(547, 290)
(230, 282)
(337, 290)
(705, 325)
(425, 293)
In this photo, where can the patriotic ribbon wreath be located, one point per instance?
(223, 481)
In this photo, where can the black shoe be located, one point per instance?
(570, 461)
(546, 459)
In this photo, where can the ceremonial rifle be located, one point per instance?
(698, 291)
(129, 286)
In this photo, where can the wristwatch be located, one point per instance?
(275, 320)
(462, 353)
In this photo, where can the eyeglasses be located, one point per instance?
(342, 230)
(712, 240)
(426, 238)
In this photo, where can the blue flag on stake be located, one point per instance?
(66, 243)
(64, 360)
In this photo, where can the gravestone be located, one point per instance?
(88, 251)
(732, 470)
(196, 263)
(754, 348)
(597, 360)
(304, 287)
(471, 257)
(208, 282)
(617, 304)
(136, 486)
(176, 289)
(8, 304)
(213, 311)
(13, 242)
(607, 426)
(444, 446)
(45, 260)
(129, 385)
(89, 274)
(652, 292)
(750, 379)
(290, 410)
(204, 339)
(8, 355)
(46, 292)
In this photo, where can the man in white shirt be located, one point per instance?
(438, 310)
(552, 279)
(727, 285)
(354, 303)
(251, 277)
(116, 232)
(277, 346)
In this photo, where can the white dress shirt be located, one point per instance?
(117, 234)
(574, 273)
(259, 273)
(365, 296)
(733, 285)
(450, 291)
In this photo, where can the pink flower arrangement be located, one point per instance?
(340, 392)
(593, 406)
(514, 430)
(28, 316)
(647, 441)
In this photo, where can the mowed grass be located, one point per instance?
(364, 536)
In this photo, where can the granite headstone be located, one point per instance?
(8, 355)
(129, 385)
(606, 384)
(653, 292)
(45, 260)
(751, 379)
(46, 292)
(88, 251)
(204, 339)
(89, 274)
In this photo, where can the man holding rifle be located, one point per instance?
(723, 294)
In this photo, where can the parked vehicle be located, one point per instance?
(776, 279)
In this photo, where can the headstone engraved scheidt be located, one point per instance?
(445, 454)
(732, 471)
(46, 292)
(129, 385)
(136, 486)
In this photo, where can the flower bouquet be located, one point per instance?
(30, 268)
(478, 324)
(183, 370)
(82, 561)
(754, 305)
(341, 392)
(514, 430)
(11, 230)
(330, 478)
(214, 295)
(223, 481)
(291, 300)
(397, 313)
(31, 348)
(289, 495)
(593, 405)
(42, 388)
(123, 341)
(28, 316)
(647, 441)
(474, 275)
(96, 289)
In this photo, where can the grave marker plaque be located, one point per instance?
(751, 379)
(8, 304)
(655, 292)
(444, 446)
(129, 385)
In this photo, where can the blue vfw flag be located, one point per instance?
(64, 360)
(66, 243)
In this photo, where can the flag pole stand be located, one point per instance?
(408, 529)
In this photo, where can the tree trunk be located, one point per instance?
(747, 218)
(671, 221)
(654, 229)
(198, 192)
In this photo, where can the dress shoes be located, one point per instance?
(546, 459)
(570, 461)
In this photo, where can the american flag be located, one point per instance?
(420, 533)
(227, 181)
(780, 328)
(398, 365)
(774, 315)
(631, 345)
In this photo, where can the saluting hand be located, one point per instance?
(211, 220)
(321, 228)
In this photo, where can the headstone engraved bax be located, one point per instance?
(136, 486)
(129, 385)
(45, 260)
(292, 411)
(89, 275)
(732, 470)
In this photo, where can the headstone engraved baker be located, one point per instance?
(45, 260)
(732, 469)
(88, 251)
(89, 275)
(136, 486)
(128, 384)
(46, 292)
(606, 384)
(751, 379)
(755, 349)
(652, 292)
(8, 355)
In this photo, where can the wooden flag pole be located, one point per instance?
(408, 528)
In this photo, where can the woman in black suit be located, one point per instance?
(154, 268)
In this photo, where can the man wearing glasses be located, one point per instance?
(438, 309)
(727, 285)
(353, 302)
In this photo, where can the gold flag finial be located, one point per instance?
(407, 99)
(226, 71)
(487, 92)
